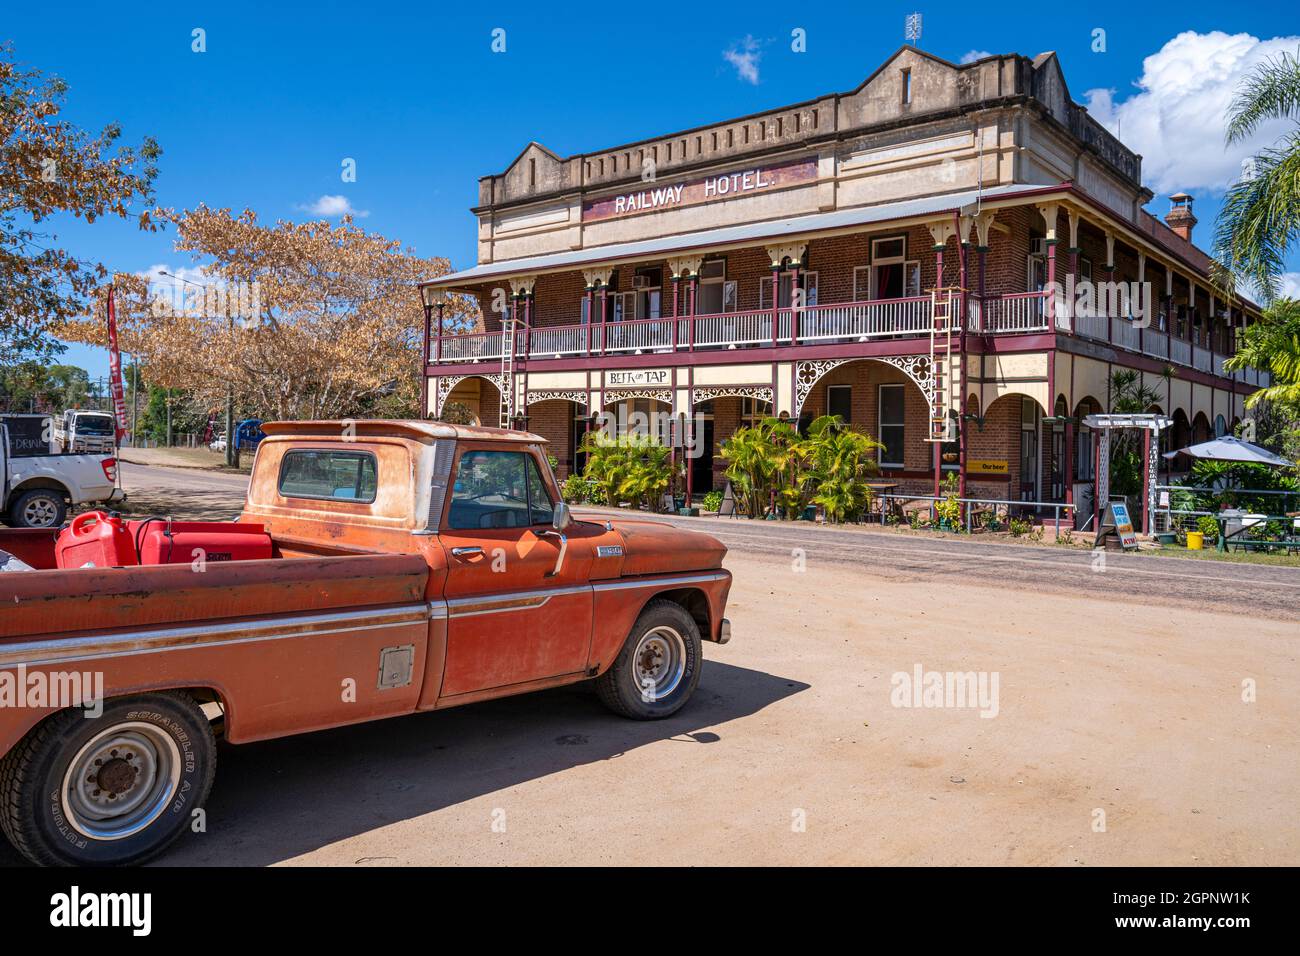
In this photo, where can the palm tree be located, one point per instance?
(1273, 344)
(1259, 221)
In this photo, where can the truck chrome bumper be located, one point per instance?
(724, 632)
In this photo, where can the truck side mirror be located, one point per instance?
(561, 517)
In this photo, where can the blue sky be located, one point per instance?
(285, 92)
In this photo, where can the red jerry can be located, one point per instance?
(98, 540)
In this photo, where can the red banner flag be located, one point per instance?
(115, 370)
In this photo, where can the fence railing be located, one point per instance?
(971, 505)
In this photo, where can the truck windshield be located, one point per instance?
(94, 425)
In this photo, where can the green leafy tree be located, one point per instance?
(1273, 345)
(1259, 221)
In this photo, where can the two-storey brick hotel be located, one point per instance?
(888, 254)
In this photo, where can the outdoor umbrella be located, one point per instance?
(1228, 448)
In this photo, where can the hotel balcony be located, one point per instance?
(843, 323)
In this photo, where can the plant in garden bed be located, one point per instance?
(828, 466)
(948, 508)
(579, 490)
(1018, 527)
(712, 501)
(841, 462)
(1208, 525)
(632, 468)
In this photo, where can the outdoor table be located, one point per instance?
(879, 488)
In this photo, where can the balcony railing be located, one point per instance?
(1025, 312)
(1015, 314)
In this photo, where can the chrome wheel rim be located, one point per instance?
(40, 513)
(121, 781)
(659, 662)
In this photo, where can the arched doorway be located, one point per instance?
(1201, 429)
(474, 396)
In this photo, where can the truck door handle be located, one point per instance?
(462, 552)
(564, 546)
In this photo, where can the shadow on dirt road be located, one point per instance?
(281, 798)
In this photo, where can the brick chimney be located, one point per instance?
(1180, 218)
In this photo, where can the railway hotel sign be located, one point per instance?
(654, 197)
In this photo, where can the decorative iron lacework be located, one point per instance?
(915, 367)
(545, 395)
(447, 383)
(664, 395)
(761, 392)
(808, 374)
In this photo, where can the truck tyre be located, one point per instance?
(38, 508)
(658, 668)
(111, 790)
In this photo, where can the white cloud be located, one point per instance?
(1177, 118)
(334, 207)
(744, 56)
(974, 55)
(1290, 285)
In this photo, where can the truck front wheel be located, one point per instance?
(39, 508)
(658, 668)
(109, 790)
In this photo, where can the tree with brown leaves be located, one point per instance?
(49, 166)
(300, 320)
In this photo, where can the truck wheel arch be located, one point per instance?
(15, 732)
(693, 600)
(38, 481)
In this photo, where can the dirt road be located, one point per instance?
(1126, 729)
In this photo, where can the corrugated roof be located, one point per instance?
(730, 235)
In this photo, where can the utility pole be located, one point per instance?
(135, 398)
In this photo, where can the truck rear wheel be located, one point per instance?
(110, 790)
(39, 508)
(658, 668)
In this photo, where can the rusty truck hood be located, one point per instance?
(653, 547)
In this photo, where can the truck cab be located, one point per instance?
(85, 432)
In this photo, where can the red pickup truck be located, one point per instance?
(414, 566)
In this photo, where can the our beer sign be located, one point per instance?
(654, 197)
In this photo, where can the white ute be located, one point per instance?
(37, 490)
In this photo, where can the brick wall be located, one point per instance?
(553, 420)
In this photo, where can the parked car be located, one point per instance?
(415, 566)
(88, 432)
(36, 491)
(218, 443)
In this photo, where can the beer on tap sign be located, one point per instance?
(657, 197)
